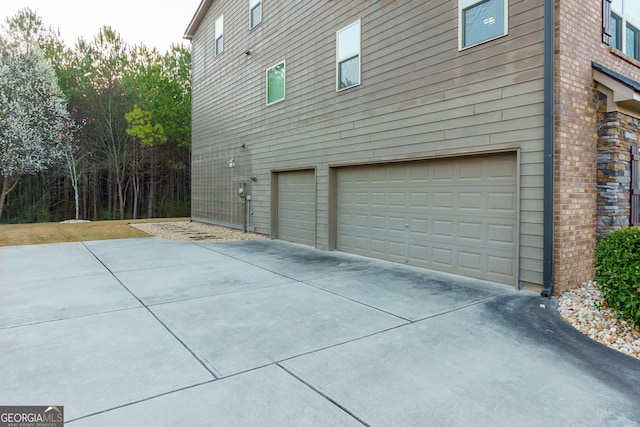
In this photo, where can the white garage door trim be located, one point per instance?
(458, 214)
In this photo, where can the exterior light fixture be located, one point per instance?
(232, 163)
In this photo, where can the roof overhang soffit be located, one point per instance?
(621, 96)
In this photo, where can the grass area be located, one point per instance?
(54, 232)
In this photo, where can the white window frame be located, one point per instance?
(625, 19)
(219, 34)
(252, 5)
(463, 5)
(339, 60)
(284, 86)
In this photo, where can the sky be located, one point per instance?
(151, 22)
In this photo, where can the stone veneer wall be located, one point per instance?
(616, 133)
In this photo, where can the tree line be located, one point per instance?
(100, 130)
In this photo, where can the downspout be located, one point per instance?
(549, 128)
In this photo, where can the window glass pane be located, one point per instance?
(617, 5)
(349, 73)
(219, 32)
(616, 34)
(256, 15)
(219, 45)
(632, 38)
(632, 11)
(483, 21)
(219, 27)
(349, 42)
(275, 83)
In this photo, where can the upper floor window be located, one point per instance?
(255, 12)
(481, 20)
(275, 83)
(348, 56)
(624, 26)
(219, 30)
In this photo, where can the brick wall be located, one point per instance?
(578, 42)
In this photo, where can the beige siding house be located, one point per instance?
(457, 135)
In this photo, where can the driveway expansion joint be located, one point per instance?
(155, 317)
(124, 405)
(325, 396)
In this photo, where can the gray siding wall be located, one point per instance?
(419, 98)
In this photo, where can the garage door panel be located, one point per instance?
(443, 257)
(397, 249)
(461, 214)
(501, 234)
(501, 201)
(442, 172)
(470, 261)
(502, 167)
(504, 266)
(420, 175)
(442, 200)
(297, 207)
(419, 199)
(470, 231)
(470, 171)
(396, 224)
(470, 201)
(442, 228)
(419, 226)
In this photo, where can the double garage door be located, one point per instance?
(457, 215)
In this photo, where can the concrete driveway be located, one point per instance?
(267, 333)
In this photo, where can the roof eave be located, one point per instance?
(197, 19)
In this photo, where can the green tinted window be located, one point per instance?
(275, 83)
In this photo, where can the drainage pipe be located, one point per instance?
(549, 128)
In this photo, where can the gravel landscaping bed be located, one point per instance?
(187, 231)
(579, 308)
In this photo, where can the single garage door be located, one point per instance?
(457, 215)
(296, 210)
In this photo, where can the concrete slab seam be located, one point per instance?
(204, 365)
(154, 267)
(306, 353)
(382, 331)
(244, 261)
(217, 295)
(471, 304)
(345, 273)
(69, 317)
(462, 307)
(211, 370)
(135, 402)
(46, 280)
(325, 396)
(357, 301)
